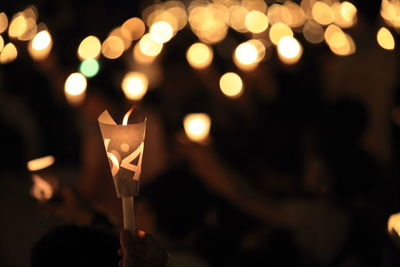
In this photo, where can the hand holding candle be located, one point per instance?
(124, 146)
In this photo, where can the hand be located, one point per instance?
(141, 250)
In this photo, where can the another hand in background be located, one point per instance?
(141, 250)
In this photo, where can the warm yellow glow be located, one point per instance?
(40, 163)
(199, 55)
(1, 43)
(18, 26)
(278, 31)
(141, 58)
(322, 13)
(75, 88)
(89, 48)
(393, 224)
(3, 22)
(296, 17)
(289, 50)
(345, 14)
(197, 126)
(256, 22)
(339, 42)
(149, 47)
(126, 117)
(237, 15)
(275, 14)
(112, 47)
(231, 85)
(134, 27)
(313, 32)
(123, 36)
(8, 54)
(41, 189)
(256, 5)
(208, 22)
(246, 53)
(161, 32)
(40, 46)
(41, 41)
(385, 39)
(135, 85)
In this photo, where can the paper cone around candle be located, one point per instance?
(124, 146)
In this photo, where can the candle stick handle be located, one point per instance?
(129, 214)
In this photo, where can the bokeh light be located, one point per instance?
(18, 25)
(246, 53)
(161, 32)
(278, 31)
(313, 32)
(149, 47)
(231, 85)
(75, 88)
(112, 47)
(1, 43)
(41, 189)
(393, 224)
(3, 22)
(197, 126)
(199, 55)
(385, 39)
(256, 22)
(89, 67)
(89, 48)
(289, 50)
(322, 13)
(134, 85)
(8, 54)
(141, 58)
(40, 46)
(40, 163)
(345, 14)
(134, 27)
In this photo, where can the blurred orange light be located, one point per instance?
(278, 31)
(40, 163)
(256, 22)
(237, 15)
(141, 58)
(197, 126)
(18, 26)
(134, 27)
(385, 39)
(75, 88)
(199, 55)
(112, 47)
(256, 5)
(40, 46)
(289, 50)
(322, 13)
(231, 85)
(149, 47)
(313, 32)
(41, 189)
(8, 54)
(246, 53)
(135, 85)
(393, 224)
(345, 14)
(161, 32)
(1, 43)
(89, 48)
(3, 22)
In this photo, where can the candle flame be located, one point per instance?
(126, 117)
(41, 189)
(40, 163)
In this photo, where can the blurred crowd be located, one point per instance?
(301, 170)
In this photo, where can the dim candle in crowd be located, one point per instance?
(124, 144)
(43, 182)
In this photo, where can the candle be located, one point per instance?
(124, 144)
(44, 183)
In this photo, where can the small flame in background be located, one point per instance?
(197, 126)
(394, 223)
(126, 117)
(41, 189)
(40, 163)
